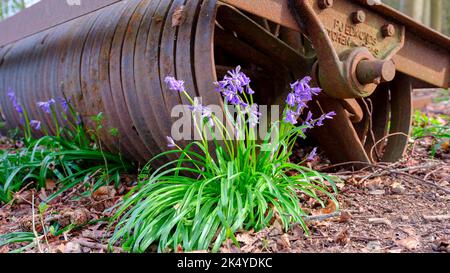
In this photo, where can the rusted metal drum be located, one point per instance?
(114, 61)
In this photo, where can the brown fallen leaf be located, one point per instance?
(50, 184)
(343, 237)
(285, 240)
(345, 217)
(104, 193)
(409, 243)
(178, 16)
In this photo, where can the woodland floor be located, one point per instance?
(404, 207)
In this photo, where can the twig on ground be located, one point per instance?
(34, 224)
(322, 217)
(97, 245)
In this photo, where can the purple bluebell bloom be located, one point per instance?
(64, 104)
(324, 117)
(291, 100)
(253, 115)
(312, 155)
(46, 106)
(170, 142)
(36, 125)
(174, 84)
(205, 112)
(308, 121)
(78, 121)
(233, 84)
(301, 94)
(15, 103)
(291, 117)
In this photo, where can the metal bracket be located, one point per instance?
(352, 63)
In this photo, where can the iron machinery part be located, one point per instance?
(115, 60)
(339, 73)
(381, 135)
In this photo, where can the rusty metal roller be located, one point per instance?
(114, 61)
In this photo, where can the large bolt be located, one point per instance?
(369, 72)
(324, 4)
(388, 30)
(358, 17)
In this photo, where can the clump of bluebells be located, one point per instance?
(64, 151)
(219, 183)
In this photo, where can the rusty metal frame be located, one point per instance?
(424, 56)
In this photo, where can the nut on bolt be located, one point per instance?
(324, 4)
(388, 30)
(358, 17)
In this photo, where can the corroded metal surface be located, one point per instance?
(114, 60)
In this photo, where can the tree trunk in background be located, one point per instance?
(414, 8)
(436, 14)
(426, 12)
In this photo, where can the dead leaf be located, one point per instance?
(50, 184)
(285, 240)
(331, 207)
(345, 217)
(245, 238)
(178, 16)
(343, 237)
(409, 243)
(104, 193)
(80, 216)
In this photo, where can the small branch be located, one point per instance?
(322, 217)
(97, 246)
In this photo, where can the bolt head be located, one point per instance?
(324, 4)
(358, 17)
(388, 30)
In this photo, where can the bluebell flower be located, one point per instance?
(291, 117)
(170, 142)
(308, 121)
(15, 103)
(324, 117)
(46, 106)
(301, 94)
(205, 112)
(253, 115)
(233, 84)
(312, 155)
(291, 100)
(64, 104)
(174, 84)
(36, 125)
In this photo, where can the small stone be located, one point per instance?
(373, 246)
(397, 188)
(72, 247)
